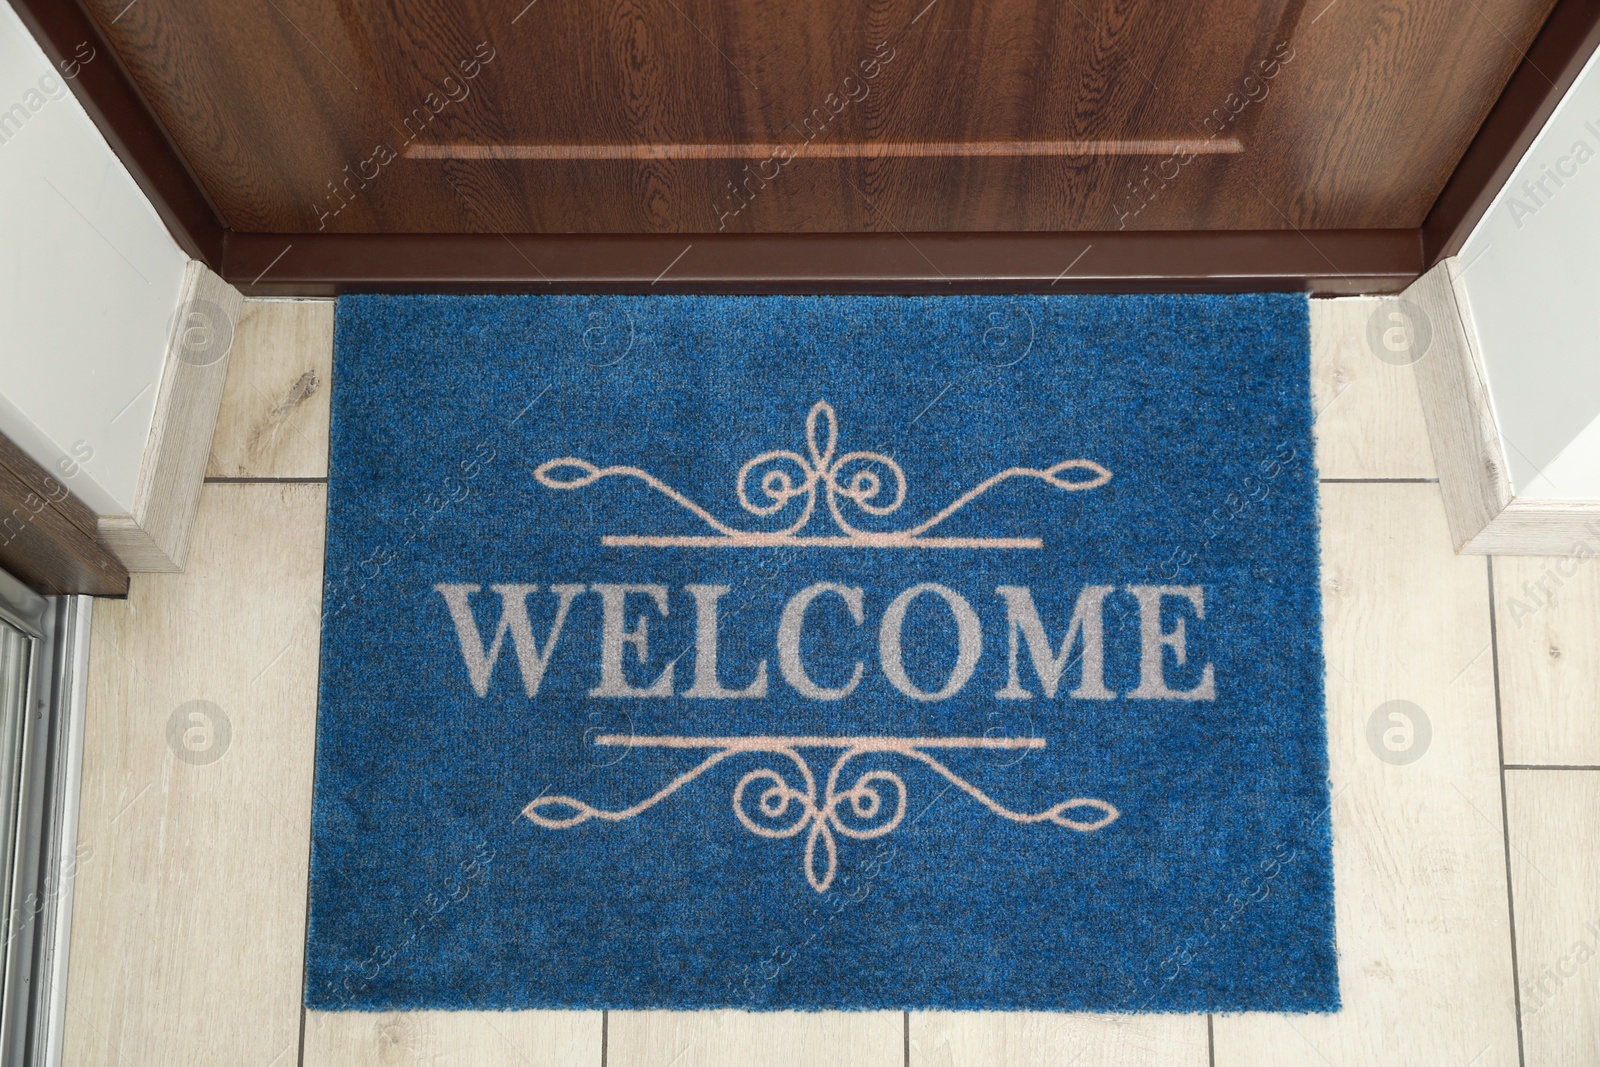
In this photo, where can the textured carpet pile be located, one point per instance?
(819, 653)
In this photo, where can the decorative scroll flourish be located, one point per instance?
(785, 801)
(784, 481)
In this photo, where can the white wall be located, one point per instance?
(89, 279)
(1532, 275)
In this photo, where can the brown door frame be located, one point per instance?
(49, 539)
(1323, 262)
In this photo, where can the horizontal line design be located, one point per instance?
(1379, 481)
(1551, 767)
(757, 540)
(870, 743)
(1199, 146)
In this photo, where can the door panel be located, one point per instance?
(657, 116)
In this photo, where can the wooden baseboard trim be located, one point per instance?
(155, 537)
(1485, 517)
(137, 551)
(1326, 262)
(1539, 528)
(1473, 474)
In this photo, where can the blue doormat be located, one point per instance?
(821, 653)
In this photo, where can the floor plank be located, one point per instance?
(189, 910)
(1555, 876)
(1423, 918)
(273, 422)
(1022, 1039)
(454, 1039)
(1547, 616)
(1369, 422)
(744, 1039)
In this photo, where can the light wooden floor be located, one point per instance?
(1460, 945)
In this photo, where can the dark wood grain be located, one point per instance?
(43, 484)
(1322, 262)
(1551, 65)
(1385, 102)
(47, 535)
(73, 42)
(285, 109)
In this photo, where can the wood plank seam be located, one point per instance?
(1505, 818)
